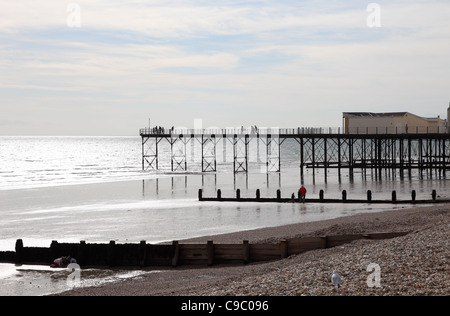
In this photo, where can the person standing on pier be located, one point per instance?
(302, 193)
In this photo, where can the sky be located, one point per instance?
(108, 68)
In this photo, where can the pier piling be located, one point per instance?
(427, 152)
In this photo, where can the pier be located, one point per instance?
(424, 150)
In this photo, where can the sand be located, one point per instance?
(415, 264)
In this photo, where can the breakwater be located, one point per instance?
(145, 255)
(321, 198)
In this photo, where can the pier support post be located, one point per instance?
(240, 153)
(178, 152)
(209, 153)
(273, 161)
(150, 153)
(302, 160)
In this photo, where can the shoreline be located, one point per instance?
(317, 228)
(421, 222)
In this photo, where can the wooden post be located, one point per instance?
(81, 252)
(413, 195)
(142, 253)
(149, 254)
(111, 253)
(210, 251)
(200, 194)
(54, 251)
(176, 253)
(246, 252)
(19, 251)
(284, 249)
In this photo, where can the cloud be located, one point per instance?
(176, 19)
(225, 60)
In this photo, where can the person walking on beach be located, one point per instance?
(302, 193)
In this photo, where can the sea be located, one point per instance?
(94, 189)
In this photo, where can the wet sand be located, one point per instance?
(415, 264)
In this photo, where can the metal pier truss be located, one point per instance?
(368, 152)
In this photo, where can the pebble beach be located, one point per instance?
(414, 264)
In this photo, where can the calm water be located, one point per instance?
(92, 188)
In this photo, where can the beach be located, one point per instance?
(415, 264)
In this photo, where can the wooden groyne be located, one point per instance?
(320, 199)
(176, 254)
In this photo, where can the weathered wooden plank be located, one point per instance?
(377, 236)
(264, 252)
(284, 249)
(210, 252)
(299, 245)
(160, 255)
(193, 252)
(228, 252)
(333, 241)
(246, 252)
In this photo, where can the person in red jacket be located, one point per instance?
(302, 193)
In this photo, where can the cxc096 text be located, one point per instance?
(247, 305)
